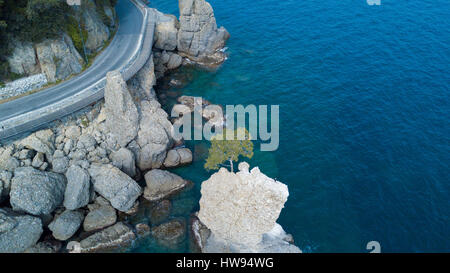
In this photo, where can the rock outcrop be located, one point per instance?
(58, 58)
(23, 59)
(36, 192)
(166, 31)
(115, 186)
(241, 210)
(122, 115)
(18, 232)
(199, 38)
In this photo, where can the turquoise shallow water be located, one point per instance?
(364, 107)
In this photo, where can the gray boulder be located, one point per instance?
(42, 142)
(160, 212)
(175, 61)
(60, 164)
(154, 136)
(78, 188)
(100, 218)
(122, 116)
(114, 185)
(66, 224)
(178, 157)
(185, 156)
(87, 142)
(172, 159)
(36, 192)
(124, 160)
(199, 38)
(38, 160)
(161, 184)
(18, 232)
(7, 162)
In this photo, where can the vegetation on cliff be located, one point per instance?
(37, 20)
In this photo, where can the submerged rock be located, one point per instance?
(160, 212)
(170, 234)
(36, 192)
(18, 232)
(110, 239)
(114, 185)
(161, 184)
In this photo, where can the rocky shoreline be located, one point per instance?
(99, 180)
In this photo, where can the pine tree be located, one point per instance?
(223, 150)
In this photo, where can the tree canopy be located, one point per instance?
(224, 150)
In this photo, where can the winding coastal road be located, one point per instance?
(31, 112)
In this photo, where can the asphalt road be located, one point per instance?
(115, 56)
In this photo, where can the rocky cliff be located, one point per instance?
(194, 36)
(59, 58)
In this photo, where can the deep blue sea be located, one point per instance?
(364, 95)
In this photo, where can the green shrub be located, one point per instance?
(73, 30)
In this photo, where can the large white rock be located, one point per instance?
(241, 207)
